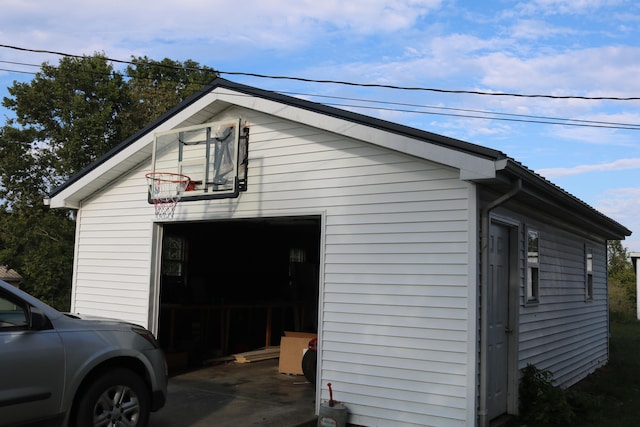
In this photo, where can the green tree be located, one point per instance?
(157, 86)
(38, 242)
(71, 111)
(65, 118)
(622, 282)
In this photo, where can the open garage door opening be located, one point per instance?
(234, 286)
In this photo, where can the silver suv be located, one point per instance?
(75, 371)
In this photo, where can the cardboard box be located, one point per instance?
(292, 348)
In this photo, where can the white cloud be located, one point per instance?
(559, 7)
(609, 70)
(623, 205)
(427, 43)
(618, 165)
(602, 136)
(216, 30)
(536, 29)
(80, 26)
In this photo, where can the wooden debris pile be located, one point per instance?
(258, 355)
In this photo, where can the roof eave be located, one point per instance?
(555, 196)
(473, 161)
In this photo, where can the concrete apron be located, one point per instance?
(238, 394)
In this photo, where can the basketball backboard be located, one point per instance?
(213, 156)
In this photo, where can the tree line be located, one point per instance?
(68, 116)
(622, 282)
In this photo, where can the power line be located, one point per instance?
(20, 63)
(340, 82)
(537, 118)
(453, 91)
(18, 71)
(486, 115)
(469, 116)
(467, 110)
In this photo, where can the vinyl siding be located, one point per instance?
(113, 252)
(564, 332)
(395, 284)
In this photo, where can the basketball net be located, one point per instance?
(165, 190)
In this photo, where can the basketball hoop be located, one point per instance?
(165, 190)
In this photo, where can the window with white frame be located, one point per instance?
(533, 267)
(588, 273)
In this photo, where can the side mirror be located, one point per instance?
(38, 321)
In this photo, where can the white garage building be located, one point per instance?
(432, 269)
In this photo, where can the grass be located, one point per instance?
(611, 396)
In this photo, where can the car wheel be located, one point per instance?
(117, 398)
(309, 365)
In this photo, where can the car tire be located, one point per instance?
(118, 397)
(309, 361)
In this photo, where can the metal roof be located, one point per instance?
(509, 167)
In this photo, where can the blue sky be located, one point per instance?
(575, 48)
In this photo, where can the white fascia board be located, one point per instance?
(470, 166)
(137, 152)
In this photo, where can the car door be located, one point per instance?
(31, 365)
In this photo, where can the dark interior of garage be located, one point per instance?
(234, 286)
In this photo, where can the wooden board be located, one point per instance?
(257, 355)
